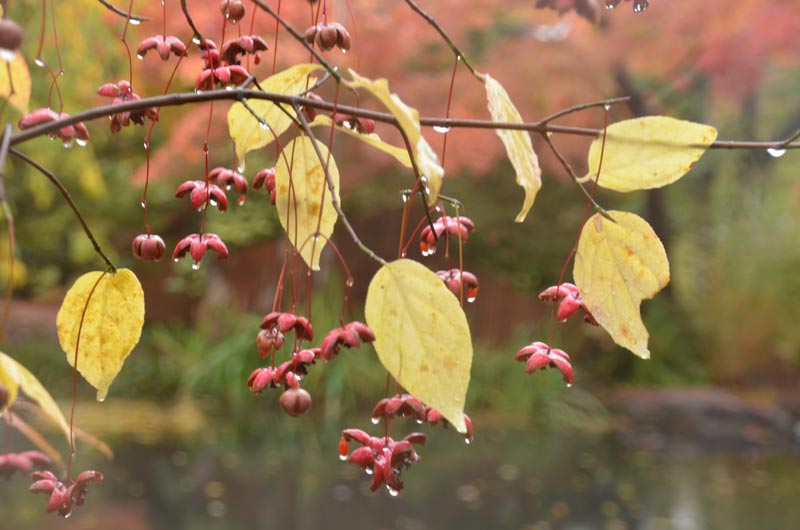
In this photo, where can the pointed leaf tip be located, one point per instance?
(422, 336)
(112, 324)
(519, 147)
(617, 265)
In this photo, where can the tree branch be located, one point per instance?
(239, 93)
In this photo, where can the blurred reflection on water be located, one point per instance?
(288, 476)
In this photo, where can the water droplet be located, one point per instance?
(39, 62)
(775, 152)
(569, 385)
(241, 200)
(196, 40)
(176, 260)
(344, 52)
(196, 265)
(263, 125)
(228, 87)
(144, 205)
(607, 106)
(227, 187)
(240, 167)
(349, 282)
(135, 22)
(610, 6)
(146, 145)
(375, 420)
(458, 57)
(440, 129)
(342, 457)
(198, 91)
(140, 56)
(467, 441)
(212, 202)
(549, 134)
(640, 6)
(404, 197)
(81, 143)
(471, 299)
(419, 421)
(67, 515)
(393, 492)
(368, 470)
(68, 144)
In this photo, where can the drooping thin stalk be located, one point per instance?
(336, 206)
(575, 179)
(67, 197)
(75, 376)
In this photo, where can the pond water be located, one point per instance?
(509, 478)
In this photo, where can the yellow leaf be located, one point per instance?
(111, 326)
(427, 162)
(11, 385)
(618, 265)
(303, 199)
(35, 390)
(20, 82)
(246, 131)
(649, 152)
(422, 337)
(517, 143)
(372, 139)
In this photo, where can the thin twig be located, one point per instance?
(300, 38)
(568, 168)
(336, 206)
(458, 53)
(122, 13)
(198, 37)
(67, 197)
(584, 106)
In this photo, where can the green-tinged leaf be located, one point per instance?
(648, 152)
(20, 82)
(617, 265)
(11, 388)
(517, 143)
(32, 388)
(408, 118)
(303, 199)
(247, 133)
(372, 139)
(112, 324)
(422, 336)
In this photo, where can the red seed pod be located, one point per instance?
(148, 247)
(11, 36)
(295, 401)
(232, 10)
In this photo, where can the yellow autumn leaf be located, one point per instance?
(111, 327)
(617, 265)
(32, 388)
(649, 152)
(303, 199)
(12, 388)
(517, 143)
(246, 131)
(421, 336)
(427, 162)
(372, 139)
(20, 81)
